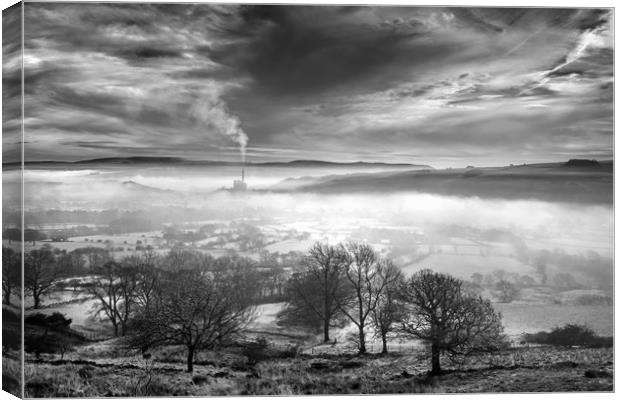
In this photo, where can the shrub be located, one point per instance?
(11, 329)
(256, 351)
(289, 352)
(200, 379)
(36, 319)
(49, 343)
(570, 335)
(11, 338)
(55, 321)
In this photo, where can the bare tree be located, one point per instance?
(506, 291)
(304, 301)
(194, 308)
(565, 280)
(363, 273)
(114, 288)
(71, 263)
(145, 266)
(11, 273)
(95, 256)
(439, 312)
(182, 259)
(389, 309)
(477, 278)
(39, 273)
(322, 288)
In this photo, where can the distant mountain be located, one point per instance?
(183, 161)
(564, 182)
(319, 163)
(132, 160)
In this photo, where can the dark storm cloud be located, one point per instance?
(300, 50)
(316, 82)
(148, 52)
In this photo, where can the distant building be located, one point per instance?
(240, 185)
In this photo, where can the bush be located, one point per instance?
(570, 335)
(48, 344)
(256, 351)
(55, 321)
(11, 329)
(11, 338)
(52, 336)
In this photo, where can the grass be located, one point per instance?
(11, 372)
(82, 381)
(518, 318)
(225, 373)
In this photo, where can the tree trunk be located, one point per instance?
(436, 369)
(190, 359)
(362, 346)
(384, 341)
(7, 296)
(115, 329)
(37, 301)
(326, 330)
(326, 315)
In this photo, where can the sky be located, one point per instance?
(438, 86)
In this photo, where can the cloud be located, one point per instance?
(213, 113)
(322, 82)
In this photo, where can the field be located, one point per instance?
(519, 318)
(463, 266)
(229, 373)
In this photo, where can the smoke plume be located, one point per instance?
(213, 113)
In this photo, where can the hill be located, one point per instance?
(581, 182)
(183, 161)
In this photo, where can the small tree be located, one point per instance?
(95, 257)
(147, 283)
(303, 304)
(389, 309)
(440, 313)
(39, 273)
(321, 288)
(506, 291)
(193, 308)
(565, 280)
(567, 335)
(55, 337)
(477, 278)
(540, 266)
(71, 264)
(115, 289)
(11, 273)
(362, 275)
